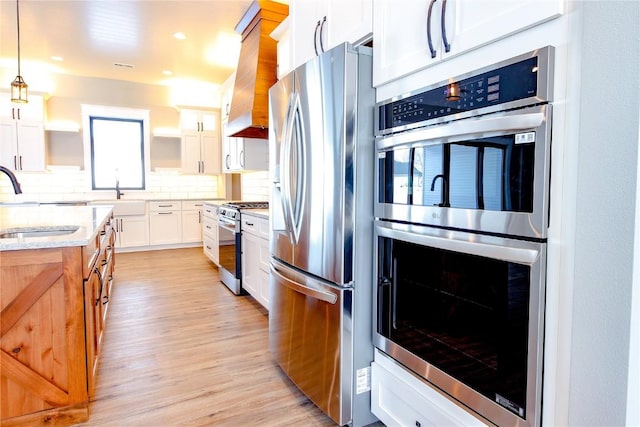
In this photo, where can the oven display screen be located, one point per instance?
(509, 83)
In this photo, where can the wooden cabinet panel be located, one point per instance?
(42, 356)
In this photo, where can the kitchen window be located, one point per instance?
(116, 146)
(117, 153)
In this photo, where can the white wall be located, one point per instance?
(607, 167)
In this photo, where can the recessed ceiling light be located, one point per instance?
(57, 58)
(167, 72)
(179, 35)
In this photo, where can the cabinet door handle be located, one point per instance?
(242, 157)
(429, 41)
(19, 118)
(315, 38)
(20, 156)
(250, 224)
(96, 271)
(165, 213)
(447, 45)
(199, 217)
(121, 225)
(227, 161)
(165, 206)
(15, 162)
(324, 19)
(13, 113)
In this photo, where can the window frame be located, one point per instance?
(116, 113)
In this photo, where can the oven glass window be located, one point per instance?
(465, 314)
(486, 174)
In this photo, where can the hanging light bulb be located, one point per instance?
(18, 86)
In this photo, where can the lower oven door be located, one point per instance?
(465, 311)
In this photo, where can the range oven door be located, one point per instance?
(465, 312)
(488, 174)
(229, 252)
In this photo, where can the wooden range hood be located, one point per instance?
(256, 73)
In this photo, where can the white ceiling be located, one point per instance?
(92, 35)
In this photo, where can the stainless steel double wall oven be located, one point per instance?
(461, 211)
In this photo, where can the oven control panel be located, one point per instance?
(520, 79)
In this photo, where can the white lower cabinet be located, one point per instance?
(255, 257)
(191, 221)
(165, 223)
(399, 398)
(210, 233)
(131, 231)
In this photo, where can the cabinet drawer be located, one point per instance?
(250, 225)
(210, 211)
(256, 225)
(192, 205)
(399, 398)
(164, 206)
(209, 225)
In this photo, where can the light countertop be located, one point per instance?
(88, 219)
(261, 213)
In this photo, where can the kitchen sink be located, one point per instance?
(123, 207)
(17, 233)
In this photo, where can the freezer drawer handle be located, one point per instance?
(314, 293)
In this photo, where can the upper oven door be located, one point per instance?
(487, 174)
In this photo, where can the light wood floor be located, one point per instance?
(181, 350)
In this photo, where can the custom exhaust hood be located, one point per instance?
(256, 73)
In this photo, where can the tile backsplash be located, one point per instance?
(255, 186)
(69, 184)
(72, 184)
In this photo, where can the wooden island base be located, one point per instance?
(50, 300)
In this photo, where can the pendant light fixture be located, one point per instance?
(18, 86)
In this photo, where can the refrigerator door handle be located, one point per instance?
(283, 186)
(303, 289)
(293, 198)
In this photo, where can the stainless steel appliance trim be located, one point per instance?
(518, 251)
(529, 253)
(228, 225)
(524, 224)
(310, 287)
(500, 123)
(545, 91)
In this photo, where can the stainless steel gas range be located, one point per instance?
(229, 243)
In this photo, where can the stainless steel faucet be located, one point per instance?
(14, 180)
(118, 192)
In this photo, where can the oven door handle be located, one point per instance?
(458, 241)
(227, 226)
(505, 123)
(302, 288)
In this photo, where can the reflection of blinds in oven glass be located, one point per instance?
(463, 188)
(492, 178)
(429, 161)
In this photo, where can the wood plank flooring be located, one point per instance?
(181, 350)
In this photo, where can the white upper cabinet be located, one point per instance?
(22, 145)
(424, 32)
(319, 25)
(200, 142)
(244, 154)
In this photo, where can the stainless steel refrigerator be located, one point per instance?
(321, 172)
